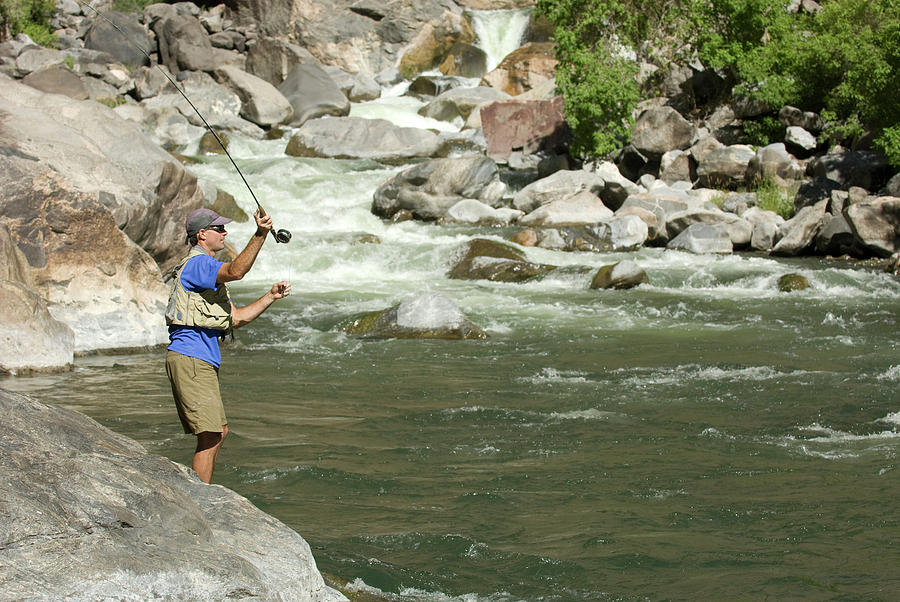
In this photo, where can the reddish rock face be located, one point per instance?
(523, 125)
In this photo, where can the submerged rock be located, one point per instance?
(428, 316)
(88, 515)
(792, 282)
(498, 262)
(622, 275)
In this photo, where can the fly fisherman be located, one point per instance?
(199, 313)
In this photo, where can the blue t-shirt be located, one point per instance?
(199, 274)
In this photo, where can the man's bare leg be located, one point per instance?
(208, 446)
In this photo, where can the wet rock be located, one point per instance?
(90, 515)
(792, 282)
(490, 260)
(427, 316)
(465, 60)
(622, 275)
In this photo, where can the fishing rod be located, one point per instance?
(282, 236)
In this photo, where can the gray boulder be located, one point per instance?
(272, 59)
(798, 234)
(90, 515)
(358, 138)
(616, 187)
(32, 340)
(703, 238)
(121, 45)
(865, 169)
(622, 275)
(876, 224)
(739, 230)
(659, 130)
(581, 208)
(57, 79)
(184, 44)
(773, 161)
(800, 138)
(429, 189)
(427, 316)
(561, 184)
(458, 103)
(35, 58)
(725, 167)
(99, 154)
(312, 93)
(836, 237)
(470, 211)
(261, 102)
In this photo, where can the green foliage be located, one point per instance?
(31, 17)
(771, 197)
(889, 143)
(131, 6)
(764, 131)
(844, 59)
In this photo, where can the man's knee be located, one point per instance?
(208, 440)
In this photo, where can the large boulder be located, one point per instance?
(312, 93)
(458, 103)
(773, 161)
(261, 102)
(184, 44)
(465, 60)
(876, 224)
(798, 234)
(524, 69)
(122, 43)
(102, 156)
(32, 340)
(865, 169)
(498, 262)
(557, 186)
(523, 125)
(358, 138)
(429, 189)
(702, 239)
(271, 59)
(90, 515)
(581, 208)
(426, 316)
(434, 40)
(725, 167)
(59, 80)
(470, 211)
(661, 129)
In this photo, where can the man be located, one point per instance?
(199, 313)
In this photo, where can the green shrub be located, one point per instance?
(771, 197)
(31, 17)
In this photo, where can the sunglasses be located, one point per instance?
(220, 229)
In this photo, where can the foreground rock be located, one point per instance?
(428, 316)
(89, 515)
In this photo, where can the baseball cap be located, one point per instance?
(200, 219)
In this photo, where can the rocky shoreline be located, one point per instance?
(89, 515)
(92, 134)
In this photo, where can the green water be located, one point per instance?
(704, 437)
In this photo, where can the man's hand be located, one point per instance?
(263, 224)
(281, 289)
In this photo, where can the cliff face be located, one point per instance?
(87, 514)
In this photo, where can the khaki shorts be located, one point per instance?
(195, 387)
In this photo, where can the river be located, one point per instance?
(700, 437)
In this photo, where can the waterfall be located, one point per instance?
(499, 32)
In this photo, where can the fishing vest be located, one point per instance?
(208, 309)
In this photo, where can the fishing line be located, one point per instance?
(282, 236)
